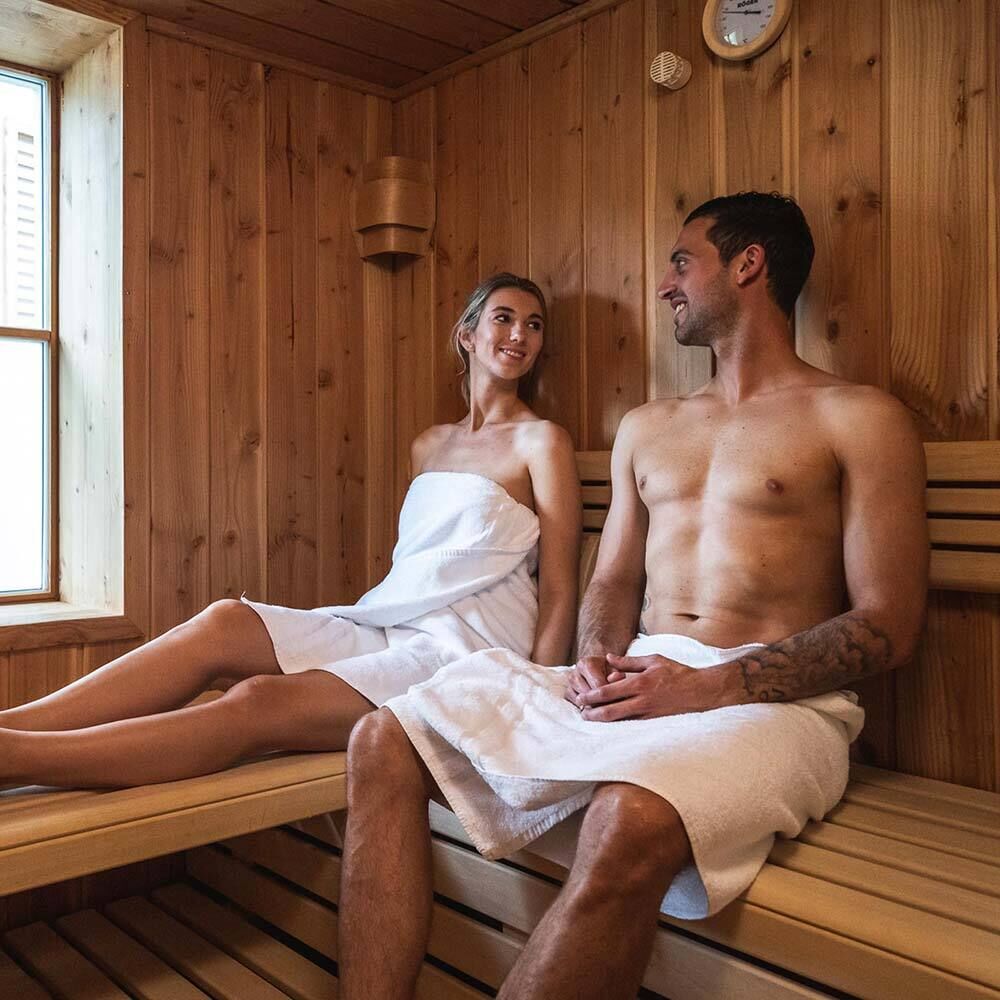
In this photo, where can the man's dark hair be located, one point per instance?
(777, 224)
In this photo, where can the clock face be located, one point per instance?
(739, 22)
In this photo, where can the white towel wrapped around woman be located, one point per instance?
(461, 580)
(514, 758)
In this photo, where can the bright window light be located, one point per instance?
(23, 457)
(24, 170)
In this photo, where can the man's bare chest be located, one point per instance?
(763, 466)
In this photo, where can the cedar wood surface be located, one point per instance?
(273, 380)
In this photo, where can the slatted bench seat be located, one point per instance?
(895, 894)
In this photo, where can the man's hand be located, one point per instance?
(650, 687)
(590, 674)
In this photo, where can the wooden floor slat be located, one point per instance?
(214, 971)
(134, 968)
(306, 919)
(15, 982)
(58, 966)
(269, 958)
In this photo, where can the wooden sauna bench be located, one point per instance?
(895, 894)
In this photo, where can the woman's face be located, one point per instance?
(508, 337)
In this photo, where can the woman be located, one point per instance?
(490, 495)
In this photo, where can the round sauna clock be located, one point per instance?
(740, 29)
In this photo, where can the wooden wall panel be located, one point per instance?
(291, 337)
(379, 373)
(414, 343)
(840, 322)
(238, 539)
(878, 123)
(456, 234)
(680, 144)
(555, 234)
(503, 173)
(179, 330)
(613, 219)
(936, 141)
(340, 353)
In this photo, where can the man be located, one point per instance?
(767, 536)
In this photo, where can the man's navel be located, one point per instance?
(775, 486)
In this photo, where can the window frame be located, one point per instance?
(49, 336)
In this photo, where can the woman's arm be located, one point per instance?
(555, 483)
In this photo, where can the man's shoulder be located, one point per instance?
(845, 402)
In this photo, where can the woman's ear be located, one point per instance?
(466, 339)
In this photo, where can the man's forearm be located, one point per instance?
(608, 618)
(823, 658)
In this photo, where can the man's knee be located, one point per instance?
(636, 839)
(380, 756)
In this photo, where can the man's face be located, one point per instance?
(698, 288)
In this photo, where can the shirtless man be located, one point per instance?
(778, 505)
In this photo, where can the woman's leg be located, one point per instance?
(226, 639)
(314, 710)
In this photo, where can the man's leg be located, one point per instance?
(596, 938)
(385, 891)
(314, 710)
(226, 639)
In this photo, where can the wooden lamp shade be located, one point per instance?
(393, 207)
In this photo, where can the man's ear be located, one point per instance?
(751, 263)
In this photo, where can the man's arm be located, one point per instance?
(610, 609)
(886, 555)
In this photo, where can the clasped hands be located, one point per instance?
(611, 688)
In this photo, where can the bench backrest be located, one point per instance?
(963, 513)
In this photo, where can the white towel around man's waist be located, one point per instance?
(514, 759)
(459, 533)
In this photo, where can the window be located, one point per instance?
(27, 339)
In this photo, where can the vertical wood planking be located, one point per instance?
(291, 337)
(938, 284)
(679, 147)
(555, 214)
(413, 301)
(939, 221)
(839, 320)
(503, 164)
(34, 673)
(179, 330)
(945, 716)
(752, 109)
(380, 371)
(135, 319)
(340, 352)
(456, 233)
(5, 701)
(236, 175)
(614, 212)
(839, 324)
(90, 365)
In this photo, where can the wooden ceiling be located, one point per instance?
(384, 42)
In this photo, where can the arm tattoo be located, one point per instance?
(821, 659)
(646, 602)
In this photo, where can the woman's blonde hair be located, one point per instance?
(471, 315)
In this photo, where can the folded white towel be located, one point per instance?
(514, 759)
(461, 580)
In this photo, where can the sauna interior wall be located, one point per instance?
(255, 374)
(277, 379)
(561, 160)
